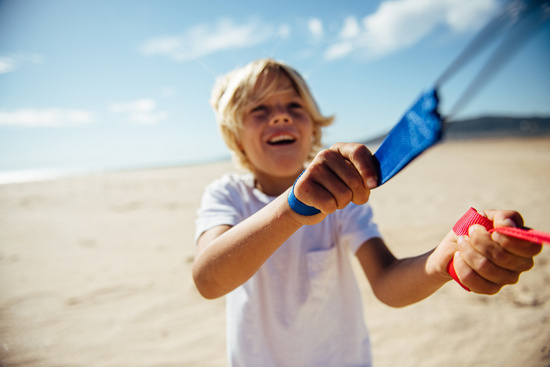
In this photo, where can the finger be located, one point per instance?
(349, 175)
(483, 243)
(345, 182)
(472, 280)
(510, 218)
(504, 218)
(489, 260)
(361, 158)
(516, 246)
(321, 188)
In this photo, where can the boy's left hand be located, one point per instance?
(485, 262)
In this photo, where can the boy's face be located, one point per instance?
(277, 132)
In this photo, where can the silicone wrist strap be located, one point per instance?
(298, 206)
(473, 217)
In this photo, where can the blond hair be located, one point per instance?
(235, 91)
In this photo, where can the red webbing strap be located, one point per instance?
(473, 217)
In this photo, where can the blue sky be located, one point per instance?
(110, 84)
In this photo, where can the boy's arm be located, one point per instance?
(484, 262)
(399, 282)
(228, 256)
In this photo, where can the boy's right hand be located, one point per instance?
(341, 174)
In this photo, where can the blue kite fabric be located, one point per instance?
(420, 128)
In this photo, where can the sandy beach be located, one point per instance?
(96, 270)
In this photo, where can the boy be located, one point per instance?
(285, 274)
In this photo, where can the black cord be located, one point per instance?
(515, 23)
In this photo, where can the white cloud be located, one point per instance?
(140, 111)
(137, 106)
(399, 24)
(51, 117)
(11, 62)
(7, 65)
(148, 118)
(284, 31)
(315, 27)
(351, 28)
(339, 50)
(206, 39)
(469, 15)
(168, 92)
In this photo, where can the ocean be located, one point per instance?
(482, 127)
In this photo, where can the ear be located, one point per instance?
(240, 148)
(239, 145)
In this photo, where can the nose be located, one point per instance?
(280, 116)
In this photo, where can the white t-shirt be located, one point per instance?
(303, 306)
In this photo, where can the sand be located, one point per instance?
(96, 270)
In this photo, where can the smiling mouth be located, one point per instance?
(281, 140)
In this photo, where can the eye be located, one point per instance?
(295, 105)
(260, 109)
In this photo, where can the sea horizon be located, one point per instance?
(495, 127)
(48, 173)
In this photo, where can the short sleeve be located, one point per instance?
(219, 206)
(356, 225)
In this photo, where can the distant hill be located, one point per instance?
(497, 127)
(490, 127)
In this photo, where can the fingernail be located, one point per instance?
(371, 183)
(472, 229)
(460, 239)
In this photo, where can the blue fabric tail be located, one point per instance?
(419, 129)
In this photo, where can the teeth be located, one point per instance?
(279, 138)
